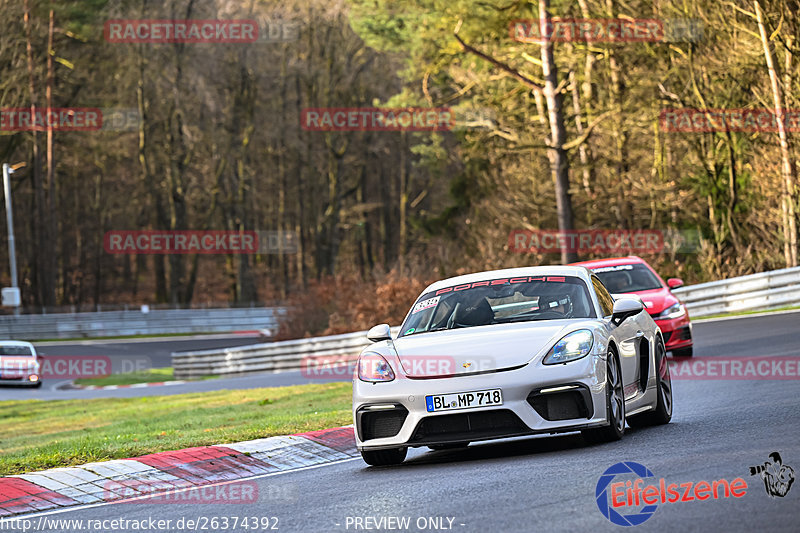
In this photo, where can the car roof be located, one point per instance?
(16, 343)
(615, 261)
(557, 270)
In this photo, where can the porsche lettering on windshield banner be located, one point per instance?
(502, 281)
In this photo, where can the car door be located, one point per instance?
(627, 335)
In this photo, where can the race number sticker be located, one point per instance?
(426, 304)
(612, 269)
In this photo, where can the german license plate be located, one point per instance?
(464, 400)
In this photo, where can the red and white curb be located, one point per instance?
(169, 471)
(132, 386)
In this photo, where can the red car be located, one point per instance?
(633, 275)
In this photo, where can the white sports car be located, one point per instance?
(20, 364)
(507, 353)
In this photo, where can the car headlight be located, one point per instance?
(374, 368)
(673, 311)
(573, 346)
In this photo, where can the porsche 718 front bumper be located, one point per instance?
(537, 398)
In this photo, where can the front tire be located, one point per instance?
(663, 411)
(615, 406)
(393, 456)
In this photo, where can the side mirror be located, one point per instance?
(624, 308)
(379, 333)
(674, 283)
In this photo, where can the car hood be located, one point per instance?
(478, 348)
(656, 300)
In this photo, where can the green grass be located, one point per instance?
(153, 375)
(45, 434)
(743, 313)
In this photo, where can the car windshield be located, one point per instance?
(11, 349)
(500, 301)
(627, 278)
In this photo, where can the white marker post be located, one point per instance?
(11, 296)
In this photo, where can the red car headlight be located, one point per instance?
(674, 311)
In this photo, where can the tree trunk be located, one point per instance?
(300, 228)
(402, 238)
(147, 180)
(619, 131)
(787, 163)
(559, 164)
(41, 273)
(52, 193)
(176, 191)
(584, 151)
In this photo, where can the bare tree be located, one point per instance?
(787, 162)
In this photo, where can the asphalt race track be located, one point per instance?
(158, 349)
(719, 429)
(150, 353)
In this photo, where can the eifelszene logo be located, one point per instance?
(778, 477)
(629, 502)
(602, 497)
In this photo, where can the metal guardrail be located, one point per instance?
(30, 309)
(756, 292)
(280, 356)
(768, 290)
(154, 322)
